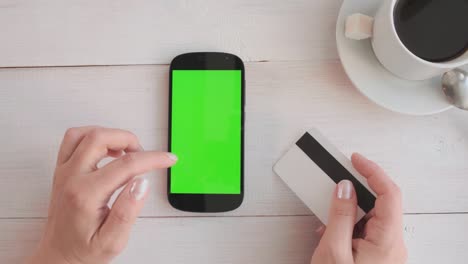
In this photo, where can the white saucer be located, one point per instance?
(374, 81)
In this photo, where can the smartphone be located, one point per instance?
(206, 132)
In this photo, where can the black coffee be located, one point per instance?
(434, 30)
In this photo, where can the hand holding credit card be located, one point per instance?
(313, 167)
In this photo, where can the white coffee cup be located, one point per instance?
(394, 55)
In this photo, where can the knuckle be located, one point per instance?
(121, 217)
(395, 192)
(377, 226)
(71, 133)
(113, 247)
(131, 136)
(345, 210)
(95, 135)
(392, 186)
(129, 159)
(75, 198)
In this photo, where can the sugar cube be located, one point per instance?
(359, 26)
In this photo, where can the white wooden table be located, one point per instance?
(71, 63)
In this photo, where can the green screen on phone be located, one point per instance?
(206, 131)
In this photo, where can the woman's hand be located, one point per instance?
(81, 228)
(382, 237)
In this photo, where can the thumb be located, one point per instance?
(115, 231)
(342, 217)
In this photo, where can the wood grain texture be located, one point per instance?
(431, 239)
(426, 156)
(299, 84)
(52, 32)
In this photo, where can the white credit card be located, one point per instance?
(313, 167)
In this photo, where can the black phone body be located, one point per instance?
(206, 132)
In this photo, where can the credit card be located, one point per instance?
(313, 167)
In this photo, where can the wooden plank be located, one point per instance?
(426, 156)
(436, 238)
(202, 240)
(52, 32)
(430, 239)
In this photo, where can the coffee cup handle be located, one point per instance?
(359, 26)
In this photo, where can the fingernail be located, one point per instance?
(139, 188)
(345, 190)
(172, 156)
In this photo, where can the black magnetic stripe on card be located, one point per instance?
(318, 154)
